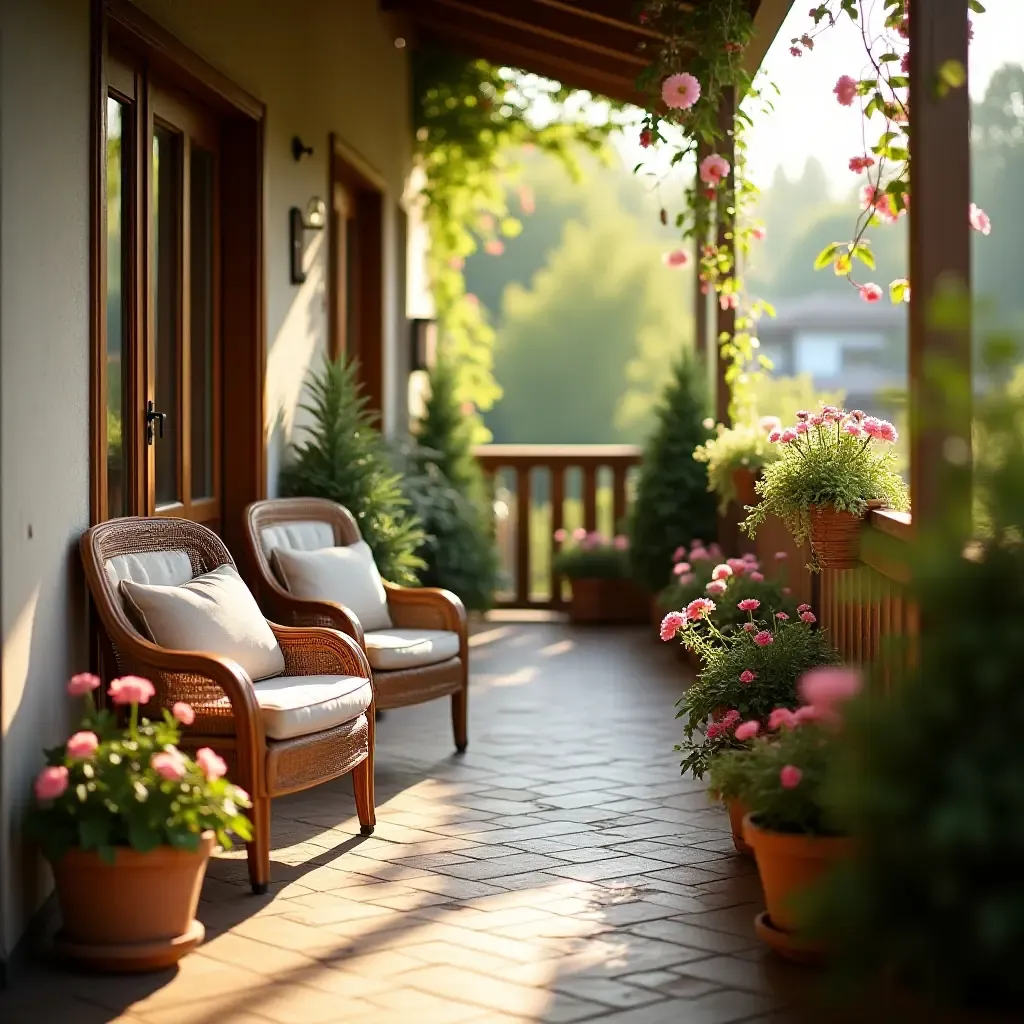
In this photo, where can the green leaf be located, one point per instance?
(952, 75)
(862, 252)
(93, 832)
(975, 6)
(899, 291)
(142, 836)
(827, 256)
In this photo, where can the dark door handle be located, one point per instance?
(154, 417)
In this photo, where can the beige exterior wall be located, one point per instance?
(318, 66)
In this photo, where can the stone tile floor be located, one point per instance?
(560, 871)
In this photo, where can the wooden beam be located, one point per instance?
(940, 259)
(725, 318)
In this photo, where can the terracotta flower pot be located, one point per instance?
(789, 864)
(737, 812)
(608, 602)
(743, 480)
(835, 536)
(137, 914)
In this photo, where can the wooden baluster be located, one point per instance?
(618, 496)
(557, 488)
(523, 534)
(590, 497)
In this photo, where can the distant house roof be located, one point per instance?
(833, 311)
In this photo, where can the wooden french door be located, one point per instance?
(162, 377)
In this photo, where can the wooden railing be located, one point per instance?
(541, 488)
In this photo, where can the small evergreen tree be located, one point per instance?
(344, 458)
(447, 489)
(672, 504)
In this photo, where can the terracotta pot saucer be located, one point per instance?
(792, 947)
(132, 957)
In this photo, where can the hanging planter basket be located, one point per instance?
(835, 536)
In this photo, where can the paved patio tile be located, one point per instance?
(560, 871)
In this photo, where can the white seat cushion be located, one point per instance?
(346, 575)
(299, 705)
(214, 613)
(165, 568)
(301, 535)
(389, 650)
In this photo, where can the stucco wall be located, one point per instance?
(320, 66)
(44, 400)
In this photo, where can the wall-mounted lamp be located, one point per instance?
(299, 149)
(424, 344)
(298, 225)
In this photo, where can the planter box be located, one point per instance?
(608, 602)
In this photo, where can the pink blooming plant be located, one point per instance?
(676, 258)
(846, 90)
(746, 676)
(713, 169)
(671, 624)
(763, 638)
(681, 91)
(80, 783)
(749, 604)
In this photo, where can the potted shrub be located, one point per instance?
(746, 675)
(780, 776)
(598, 571)
(833, 466)
(735, 457)
(128, 823)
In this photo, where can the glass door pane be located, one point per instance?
(202, 322)
(165, 282)
(118, 218)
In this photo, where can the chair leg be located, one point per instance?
(259, 849)
(460, 713)
(362, 784)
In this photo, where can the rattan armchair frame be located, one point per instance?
(409, 607)
(221, 693)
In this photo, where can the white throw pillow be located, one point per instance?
(214, 613)
(346, 575)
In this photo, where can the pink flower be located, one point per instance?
(769, 423)
(801, 428)
(713, 730)
(846, 90)
(870, 292)
(83, 683)
(676, 258)
(796, 51)
(757, 577)
(809, 617)
(82, 744)
(169, 764)
(775, 436)
(212, 765)
(763, 638)
(787, 591)
(782, 616)
(790, 776)
(579, 533)
(749, 604)
(816, 420)
(131, 690)
(680, 568)
(485, 222)
(861, 163)
(671, 624)
(803, 607)
(781, 556)
(746, 676)
(713, 169)
(749, 627)
(679, 554)
(721, 572)
(620, 542)
(561, 535)
(184, 713)
(808, 713)
(527, 201)
(681, 91)
(593, 540)
(905, 63)
(731, 717)
(857, 414)
(789, 435)
(852, 429)
(802, 415)
(759, 233)
(699, 554)
(494, 247)
(748, 730)
(699, 608)
(241, 795)
(980, 220)
(730, 301)
(51, 782)
(782, 718)
(646, 137)
(824, 688)
(750, 558)
(716, 587)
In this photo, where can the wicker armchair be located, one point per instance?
(313, 523)
(228, 714)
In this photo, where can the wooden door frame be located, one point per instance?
(243, 323)
(368, 190)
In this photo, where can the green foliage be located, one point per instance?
(795, 648)
(344, 459)
(744, 446)
(594, 557)
(932, 783)
(752, 774)
(828, 466)
(784, 397)
(115, 798)
(672, 504)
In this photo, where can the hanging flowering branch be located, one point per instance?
(881, 93)
(699, 60)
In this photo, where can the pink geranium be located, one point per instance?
(789, 435)
(679, 554)
(681, 91)
(790, 777)
(83, 683)
(846, 90)
(809, 617)
(749, 604)
(671, 624)
(759, 233)
(861, 163)
(494, 247)
(687, 578)
(716, 587)
(169, 764)
(213, 766)
(713, 169)
(51, 782)
(184, 713)
(757, 577)
(775, 436)
(826, 688)
(646, 137)
(620, 542)
(131, 690)
(763, 638)
(852, 429)
(782, 616)
(746, 676)
(747, 730)
(980, 220)
(699, 608)
(782, 718)
(82, 745)
(676, 258)
(871, 292)
(803, 607)
(801, 428)
(721, 572)
(749, 627)
(781, 556)
(560, 535)
(738, 566)
(580, 533)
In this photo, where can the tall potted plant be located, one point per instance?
(128, 822)
(834, 465)
(736, 457)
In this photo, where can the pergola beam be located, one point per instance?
(725, 322)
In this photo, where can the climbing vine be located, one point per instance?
(472, 120)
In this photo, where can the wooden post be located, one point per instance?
(700, 300)
(725, 318)
(940, 259)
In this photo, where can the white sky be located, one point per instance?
(807, 120)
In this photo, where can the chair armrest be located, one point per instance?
(426, 608)
(280, 606)
(317, 651)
